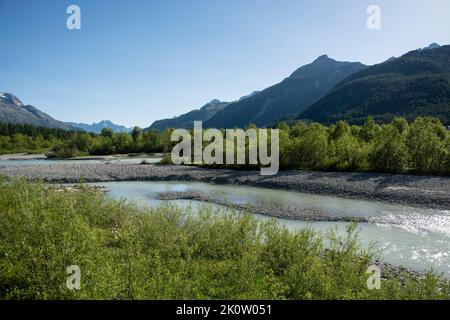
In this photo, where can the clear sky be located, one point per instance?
(136, 61)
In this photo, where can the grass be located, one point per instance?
(126, 252)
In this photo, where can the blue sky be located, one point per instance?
(137, 61)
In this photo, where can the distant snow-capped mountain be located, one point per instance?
(10, 99)
(99, 126)
(12, 110)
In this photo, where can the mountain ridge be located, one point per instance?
(12, 110)
(186, 120)
(302, 88)
(415, 84)
(97, 127)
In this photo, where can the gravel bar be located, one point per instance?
(264, 208)
(418, 191)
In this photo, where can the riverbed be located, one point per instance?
(418, 239)
(408, 190)
(42, 160)
(407, 216)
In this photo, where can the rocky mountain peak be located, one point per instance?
(323, 58)
(434, 45)
(9, 98)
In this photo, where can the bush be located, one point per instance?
(63, 151)
(426, 142)
(350, 153)
(166, 160)
(389, 152)
(310, 150)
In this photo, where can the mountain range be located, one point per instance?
(415, 84)
(294, 94)
(12, 110)
(205, 113)
(187, 120)
(326, 90)
(99, 126)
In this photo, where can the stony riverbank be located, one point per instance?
(265, 208)
(420, 191)
(100, 190)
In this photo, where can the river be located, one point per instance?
(415, 238)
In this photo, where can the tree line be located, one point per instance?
(28, 138)
(61, 143)
(421, 146)
(109, 142)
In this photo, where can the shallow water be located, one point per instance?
(124, 160)
(415, 238)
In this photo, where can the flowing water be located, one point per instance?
(415, 238)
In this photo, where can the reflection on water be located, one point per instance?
(412, 237)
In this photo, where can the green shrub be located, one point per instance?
(166, 160)
(126, 252)
(389, 152)
(426, 142)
